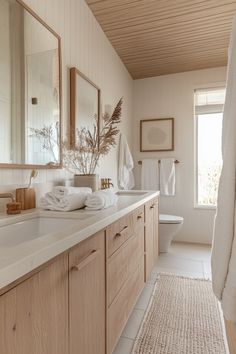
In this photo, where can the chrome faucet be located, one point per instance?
(8, 195)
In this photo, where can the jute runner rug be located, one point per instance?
(183, 317)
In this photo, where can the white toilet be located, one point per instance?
(169, 226)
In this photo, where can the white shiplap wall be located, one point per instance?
(85, 46)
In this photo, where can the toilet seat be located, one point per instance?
(170, 219)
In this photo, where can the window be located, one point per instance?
(209, 113)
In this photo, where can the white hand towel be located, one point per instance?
(223, 257)
(150, 174)
(167, 177)
(62, 191)
(125, 165)
(101, 200)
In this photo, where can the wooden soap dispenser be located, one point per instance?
(13, 207)
(26, 196)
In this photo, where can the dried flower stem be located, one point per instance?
(91, 145)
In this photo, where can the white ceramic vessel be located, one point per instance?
(169, 226)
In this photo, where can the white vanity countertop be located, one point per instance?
(19, 260)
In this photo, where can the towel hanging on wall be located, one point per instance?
(125, 165)
(167, 177)
(150, 175)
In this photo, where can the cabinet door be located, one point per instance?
(156, 229)
(87, 296)
(149, 238)
(34, 314)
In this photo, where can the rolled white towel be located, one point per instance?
(62, 191)
(69, 202)
(101, 199)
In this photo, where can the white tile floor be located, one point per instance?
(183, 259)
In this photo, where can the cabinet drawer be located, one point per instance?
(87, 252)
(87, 296)
(138, 218)
(118, 232)
(119, 311)
(156, 200)
(135, 289)
(123, 263)
(149, 207)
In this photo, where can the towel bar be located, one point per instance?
(140, 161)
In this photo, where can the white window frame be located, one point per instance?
(204, 109)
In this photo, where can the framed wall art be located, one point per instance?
(157, 134)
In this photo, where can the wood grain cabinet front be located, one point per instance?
(125, 277)
(34, 314)
(87, 296)
(119, 232)
(149, 238)
(79, 302)
(123, 263)
(119, 311)
(151, 235)
(138, 218)
(156, 229)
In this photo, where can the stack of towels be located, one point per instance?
(101, 199)
(71, 198)
(65, 198)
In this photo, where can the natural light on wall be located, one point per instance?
(209, 105)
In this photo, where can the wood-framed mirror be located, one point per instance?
(30, 89)
(85, 103)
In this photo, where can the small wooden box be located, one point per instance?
(26, 196)
(13, 208)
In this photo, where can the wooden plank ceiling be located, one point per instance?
(158, 37)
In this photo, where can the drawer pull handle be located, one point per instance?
(86, 260)
(139, 217)
(152, 206)
(119, 234)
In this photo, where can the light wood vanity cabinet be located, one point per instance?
(125, 272)
(118, 232)
(80, 302)
(34, 314)
(151, 235)
(156, 228)
(87, 296)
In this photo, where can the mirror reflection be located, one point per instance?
(29, 88)
(84, 105)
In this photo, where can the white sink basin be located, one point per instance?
(28, 230)
(131, 193)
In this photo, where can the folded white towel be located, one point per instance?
(62, 191)
(167, 177)
(150, 174)
(69, 202)
(101, 199)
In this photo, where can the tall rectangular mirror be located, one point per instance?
(84, 103)
(30, 89)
